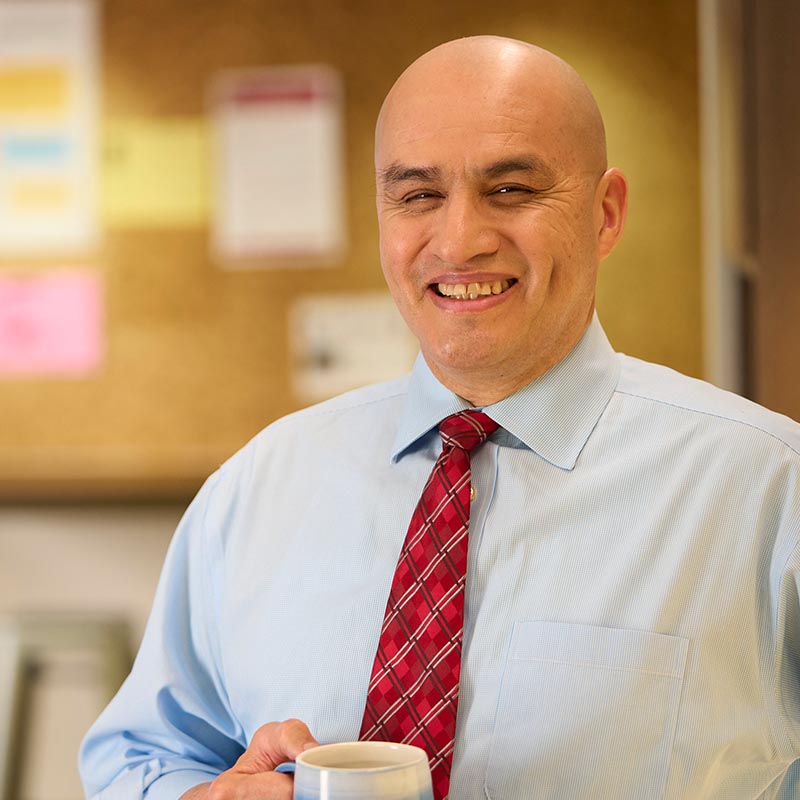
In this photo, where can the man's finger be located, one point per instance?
(274, 743)
(295, 738)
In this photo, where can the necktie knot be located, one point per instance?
(466, 429)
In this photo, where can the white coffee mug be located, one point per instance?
(363, 771)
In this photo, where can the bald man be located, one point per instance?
(630, 610)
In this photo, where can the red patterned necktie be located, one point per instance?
(413, 691)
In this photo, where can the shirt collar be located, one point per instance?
(553, 416)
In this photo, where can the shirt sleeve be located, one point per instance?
(170, 726)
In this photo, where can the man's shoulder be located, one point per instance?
(665, 387)
(357, 414)
(302, 449)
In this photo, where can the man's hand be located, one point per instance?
(252, 776)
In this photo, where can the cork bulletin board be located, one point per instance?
(196, 357)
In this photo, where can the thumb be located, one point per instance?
(274, 743)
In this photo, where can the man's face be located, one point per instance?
(489, 230)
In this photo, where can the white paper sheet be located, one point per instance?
(48, 111)
(340, 342)
(278, 174)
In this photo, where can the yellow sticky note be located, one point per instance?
(34, 88)
(155, 172)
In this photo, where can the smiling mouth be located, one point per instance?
(472, 291)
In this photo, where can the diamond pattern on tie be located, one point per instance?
(413, 691)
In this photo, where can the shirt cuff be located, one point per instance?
(137, 783)
(172, 785)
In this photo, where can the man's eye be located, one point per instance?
(419, 197)
(511, 195)
(510, 190)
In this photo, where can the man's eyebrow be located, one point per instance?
(398, 173)
(530, 164)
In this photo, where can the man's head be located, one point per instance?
(491, 177)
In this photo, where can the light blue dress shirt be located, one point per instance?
(632, 625)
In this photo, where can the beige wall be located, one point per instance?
(73, 559)
(638, 57)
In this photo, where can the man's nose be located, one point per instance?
(463, 232)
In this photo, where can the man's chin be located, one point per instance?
(462, 363)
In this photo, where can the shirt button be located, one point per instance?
(472, 493)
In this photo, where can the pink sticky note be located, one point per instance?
(51, 324)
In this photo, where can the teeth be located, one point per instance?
(472, 291)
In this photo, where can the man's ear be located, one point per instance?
(611, 208)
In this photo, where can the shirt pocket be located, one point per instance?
(585, 713)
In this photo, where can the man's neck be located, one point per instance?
(481, 386)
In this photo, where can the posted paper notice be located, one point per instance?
(278, 171)
(48, 98)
